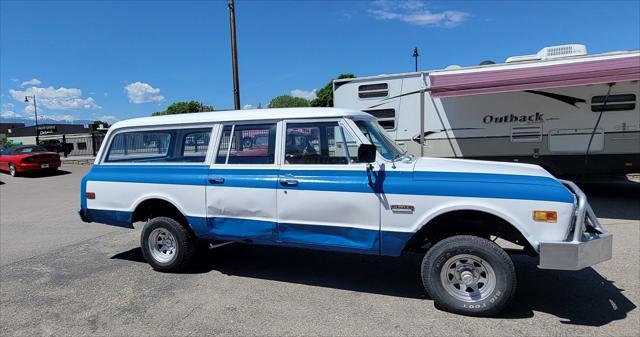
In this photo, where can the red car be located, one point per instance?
(19, 159)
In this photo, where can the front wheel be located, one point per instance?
(166, 244)
(469, 275)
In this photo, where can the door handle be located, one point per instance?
(217, 180)
(288, 182)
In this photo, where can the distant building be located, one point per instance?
(83, 137)
(5, 127)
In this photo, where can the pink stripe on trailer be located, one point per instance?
(486, 81)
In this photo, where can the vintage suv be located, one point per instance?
(330, 179)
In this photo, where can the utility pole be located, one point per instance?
(234, 55)
(415, 55)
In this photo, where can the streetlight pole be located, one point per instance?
(415, 55)
(35, 111)
(234, 55)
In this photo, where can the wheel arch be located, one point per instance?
(151, 207)
(471, 220)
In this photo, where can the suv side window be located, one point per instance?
(160, 146)
(195, 144)
(247, 144)
(316, 143)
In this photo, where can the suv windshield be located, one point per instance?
(386, 147)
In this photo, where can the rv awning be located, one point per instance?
(469, 82)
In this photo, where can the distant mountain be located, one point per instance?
(45, 120)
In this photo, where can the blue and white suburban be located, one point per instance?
(330, 179)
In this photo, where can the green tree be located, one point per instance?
(183, 108)
(4, 142)
(324, 97)
(286, 101)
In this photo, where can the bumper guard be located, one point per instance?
(586, 244)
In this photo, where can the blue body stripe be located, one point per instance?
(479, 185)
(152, 174)
(109, 217)
(344, 237)
(455, 184)
(232, 228)
(366, 241)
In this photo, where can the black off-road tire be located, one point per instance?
(467, 245)
(185, 244)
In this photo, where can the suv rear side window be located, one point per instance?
(247, 144)
(160, 146)
(195, 144)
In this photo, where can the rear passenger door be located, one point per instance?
(324, 199)
(242, 181)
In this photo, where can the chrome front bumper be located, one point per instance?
(586, 244)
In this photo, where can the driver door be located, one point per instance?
(323, 195)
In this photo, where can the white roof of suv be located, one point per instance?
(243, 115)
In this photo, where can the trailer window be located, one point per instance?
(613, 103)
(373, 90)
(386, 117)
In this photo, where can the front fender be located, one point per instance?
(518, 213)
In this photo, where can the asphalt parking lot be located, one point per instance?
(60, 276)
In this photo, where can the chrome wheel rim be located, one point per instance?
(468, 278)
(12, 170)
(162, 245)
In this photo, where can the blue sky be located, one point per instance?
(121, 59)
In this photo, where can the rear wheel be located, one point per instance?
(12, 170)
(167, 245)
(469, 275)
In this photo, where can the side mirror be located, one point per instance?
(366, 153)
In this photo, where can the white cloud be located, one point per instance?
(415, 13)
(33, 81)
(306, 94)
(7, 111)
(108, 118)
(30, 109)
(57, 99)
(9, 114)
(248, 107)
(140, 92)
(67, 118)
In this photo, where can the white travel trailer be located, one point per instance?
(570, 112)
